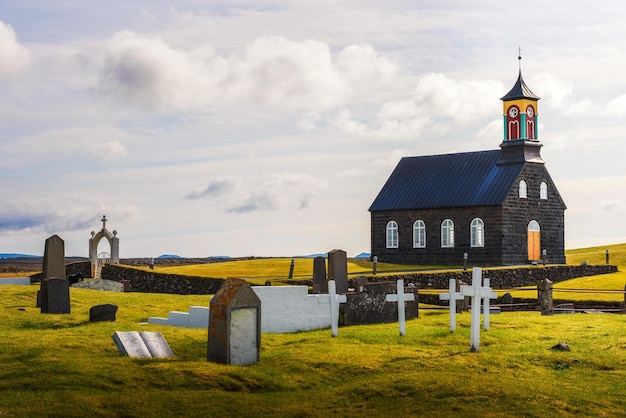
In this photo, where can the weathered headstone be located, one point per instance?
(234, 324)
(453, 296)
(544, 294)
(54, 258)
(333, 299)
(55, 296)
(360, 283)
(320, 283)
(476, 293)
(400, 297)
(142, 344)
(102, 313)
(338, 269)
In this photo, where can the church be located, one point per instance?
(496, 207)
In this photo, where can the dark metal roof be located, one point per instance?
(449, 180)
(520, 91)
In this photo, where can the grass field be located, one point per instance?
(65, 366)
(62, 365)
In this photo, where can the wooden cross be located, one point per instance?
(104, 222)
(334, 300)
(452, 296)
(400, 297)
(477, 293)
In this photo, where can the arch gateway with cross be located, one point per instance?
(97, 260)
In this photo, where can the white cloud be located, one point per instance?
(275, 72)
(13, 56)
(235, 195)
(617, 106)
(100, 142)
(436, 102)
(558, 94)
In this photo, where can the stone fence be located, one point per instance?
(151, 282)
(503, 278)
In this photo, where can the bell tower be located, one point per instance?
(520, 113)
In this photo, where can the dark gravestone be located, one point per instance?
(371, 307)
(360, 283)
(338, 270)
(544, 295)
(102, 313)
(320, 283)
(55, 296)
(54, 258)
(53, 264)
(234, 324)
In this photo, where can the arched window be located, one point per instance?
(392, 234)
(522, 189)
(477, 232)
(419, 234)
(447, 233)
(543, 191)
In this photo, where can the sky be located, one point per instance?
(267, 128)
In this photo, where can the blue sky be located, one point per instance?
(267, 128)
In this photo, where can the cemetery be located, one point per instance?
(282, 350)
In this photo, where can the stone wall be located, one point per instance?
(151, 282)
(500, 278)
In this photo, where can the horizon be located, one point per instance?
(269, 129)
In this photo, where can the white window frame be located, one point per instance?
(477, 233)
(543, 191)
(391, 234)
(523, 189)
(419, 234)
(447, 233)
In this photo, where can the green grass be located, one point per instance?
(62, 365)
(259, 270)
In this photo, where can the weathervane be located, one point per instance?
(519, 57)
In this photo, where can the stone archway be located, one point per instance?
(114, 243)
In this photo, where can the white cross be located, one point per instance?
(334, 300)
(401, 297)
(452, 296)
(477, 293)
(486, 308)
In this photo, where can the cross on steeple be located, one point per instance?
(104, 222)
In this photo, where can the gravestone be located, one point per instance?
(338, 269)
(370, 306)
(360, 284)
(53, 267)
(452, 296)
(477, 294)
(400, 298)
(54, 258)
(55, 296)
(320, 283)
(102, 313)
(333, 299)
(544, 294)
(142, 344)
(234, 324)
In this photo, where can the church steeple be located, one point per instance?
(520, 111)
(520, 114)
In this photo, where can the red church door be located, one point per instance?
(534, 241)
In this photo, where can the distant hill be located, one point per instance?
(12, 255)
(169, 256)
